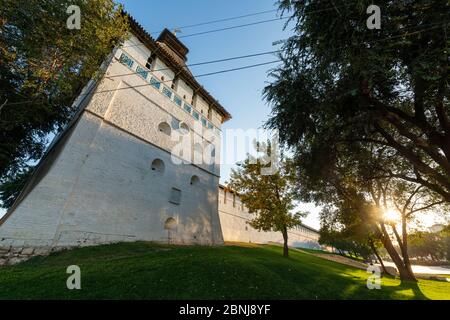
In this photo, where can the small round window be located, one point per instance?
(195, 180)
(170, 224)
(158, 166)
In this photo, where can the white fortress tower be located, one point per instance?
(139, 161)
(117, 173)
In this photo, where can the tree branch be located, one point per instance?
(425, 207)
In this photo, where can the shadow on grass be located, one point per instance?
(414, 287)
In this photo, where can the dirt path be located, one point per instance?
(339, 259)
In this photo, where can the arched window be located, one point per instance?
(170, 224)
(195, 180)
(150, 61)
(184, 128)
(164, 127)
(148, 65)
(158, 166)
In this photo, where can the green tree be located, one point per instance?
(424, 244)
(446, 235)
(270, 197)
(44, 65)
(362, 109)
(343, 228)
(342, 84)
(352, 187)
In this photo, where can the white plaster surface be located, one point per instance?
(101, 187)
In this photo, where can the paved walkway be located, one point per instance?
(343, 260)
(424, 269)
(338, 258)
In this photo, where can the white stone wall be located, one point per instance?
(136, 49)
(136, 117)
(185, 91)
(101, 188)
(234, 217)
(162, 72)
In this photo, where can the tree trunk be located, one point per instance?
(285, 243)
(405, 274)
(375, 251)
(404, 247)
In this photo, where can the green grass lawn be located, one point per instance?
(151, 271)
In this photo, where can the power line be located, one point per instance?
(278, 51)
(202, 63)
(196, 76)
(218, 30)
(149, 84)
(238, 26)
(242, 25)
(221, 20)
(249, 66)
(258, 22)
(438, 25)
(233, 27)
(236, 69)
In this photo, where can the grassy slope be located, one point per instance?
(150, 271)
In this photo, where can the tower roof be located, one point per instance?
(173, 53)
(173, 44)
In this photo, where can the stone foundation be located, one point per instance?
(13, 255)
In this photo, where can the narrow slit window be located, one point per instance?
(175, 196)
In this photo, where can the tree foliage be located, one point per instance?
(342, 227)
(270, 197)
(366, 112)
(343, 84)
(425, 245)
(44, 66)
(344, 243)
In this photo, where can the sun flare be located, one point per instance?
(391, 215)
